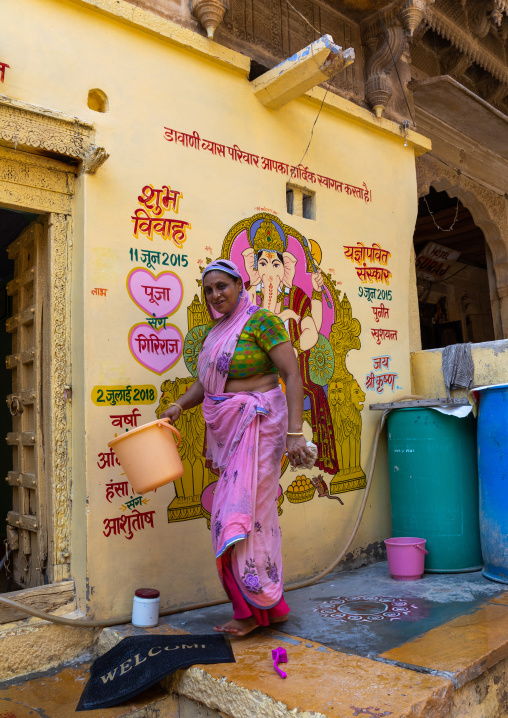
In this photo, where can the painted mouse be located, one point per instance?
(322, 488)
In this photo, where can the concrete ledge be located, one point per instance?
(489, 359)
(463, 648)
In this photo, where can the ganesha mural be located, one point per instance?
(281, 271)
(271, 268)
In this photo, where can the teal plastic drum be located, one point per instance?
(434, 486)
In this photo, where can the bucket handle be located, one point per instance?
(421, 547)
(167, 425)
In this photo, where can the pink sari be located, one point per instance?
(245, 440)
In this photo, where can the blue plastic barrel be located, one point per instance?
(493, 477)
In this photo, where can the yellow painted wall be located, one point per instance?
(57, 52)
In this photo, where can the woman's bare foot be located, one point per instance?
(280, 619)
(237, 626)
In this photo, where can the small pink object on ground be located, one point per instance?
(406, 557)
(279, 655)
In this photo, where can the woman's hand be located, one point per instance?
(172, 413)
(297, 450)
(284, 358)
(192, 397)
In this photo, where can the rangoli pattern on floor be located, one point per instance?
(366, 608)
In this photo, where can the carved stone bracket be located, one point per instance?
(453, 62)
(499, 10)
(209, 14)
(400, 21)
(485, 15)
(461, 39)
(492, 91)
(411, 15)
(24, 125)
(93, 159)
(479, 19)
(378, 88)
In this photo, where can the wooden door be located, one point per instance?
(26, 523)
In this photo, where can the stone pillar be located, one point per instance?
(495, 304)
(503, 306)
(501, 272)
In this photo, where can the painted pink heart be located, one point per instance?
(157, 296)
(156, 349)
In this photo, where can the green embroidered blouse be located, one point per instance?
(262, 332)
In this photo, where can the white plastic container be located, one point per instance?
(145, 607)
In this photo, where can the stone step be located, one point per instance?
(447, 661)
(56, 695)
(321, 682)
(325, 683)
(33, 645)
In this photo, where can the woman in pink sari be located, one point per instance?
(249, 426)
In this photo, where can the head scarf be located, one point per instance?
(223, 265)
(219, 346)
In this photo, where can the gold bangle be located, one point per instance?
(317, 295)
(173, 403)
(294, 433)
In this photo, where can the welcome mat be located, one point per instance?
(138, 662)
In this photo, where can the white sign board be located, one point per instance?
(434, 261)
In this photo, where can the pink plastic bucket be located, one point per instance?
(406, 557)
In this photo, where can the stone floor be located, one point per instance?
(364, 611)
(358, 644)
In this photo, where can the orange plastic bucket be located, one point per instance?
(149, 455)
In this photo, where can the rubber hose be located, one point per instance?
(81, 623)
(335, 563)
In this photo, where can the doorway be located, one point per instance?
(452, 274)
(22, 292)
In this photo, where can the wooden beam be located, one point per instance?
(26, 438)
(23, 521)
(14, 285)
(309, 67)
(45, 598)
(25, 357)
(15, 478)
(23, 318)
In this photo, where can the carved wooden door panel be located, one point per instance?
(26, 529)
